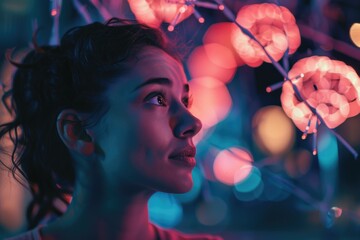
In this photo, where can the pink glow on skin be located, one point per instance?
(212, 60)
(329, 86)
(232, 165)
(274, 26)
(154, 12)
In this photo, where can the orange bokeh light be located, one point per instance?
(329, 86)
(275, 28)
(212, 60)
(232, 162)
(355, 34)
(272, 130)
(154, 12)
(212, 101)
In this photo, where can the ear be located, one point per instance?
(75, 137)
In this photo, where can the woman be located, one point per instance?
(104, 117)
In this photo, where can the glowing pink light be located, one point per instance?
(53, 12)
(220, 33)
(212, 100)
(232, 165)
(275, 28)
(331, 87)
(154, 12)
(212, 60)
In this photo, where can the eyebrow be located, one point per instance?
(161, 81)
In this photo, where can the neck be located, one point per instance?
(103, 215)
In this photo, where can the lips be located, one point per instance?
(184, 156)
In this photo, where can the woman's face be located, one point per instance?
(146, 136)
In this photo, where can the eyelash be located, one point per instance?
(187, 101)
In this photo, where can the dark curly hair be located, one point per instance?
(71, 75)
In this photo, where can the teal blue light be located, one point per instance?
(164, 210)
(327, 151)
(195, 190)
(250, 182)
(250, 196)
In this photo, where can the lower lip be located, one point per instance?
(184, 161)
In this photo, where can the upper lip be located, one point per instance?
(188, 151)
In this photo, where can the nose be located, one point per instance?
(184, 124)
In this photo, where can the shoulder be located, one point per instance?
(33, 234)
(165, 234)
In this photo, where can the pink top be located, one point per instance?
(161, 234)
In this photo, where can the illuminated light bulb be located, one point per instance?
(314, 143)
(336, 211)
(221, 7)
(55, 6)
(53, 12)
(297, 77)
(303, 137)
(274, 87)
(173, 23)
(170, 28)
(332, 214)
(182, 9)
(198, 16)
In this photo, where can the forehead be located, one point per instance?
(153, 62)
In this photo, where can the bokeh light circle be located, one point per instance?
(355, 34)
(212, 60)
(220, 33)
(212, 101)
(212, 212)
(248, 183)
(297, 163)
(164, 210)
(272, 130)
(251, 195)
(233, 163)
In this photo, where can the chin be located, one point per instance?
(177, 187)
(184, 187)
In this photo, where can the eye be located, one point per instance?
(157, 99)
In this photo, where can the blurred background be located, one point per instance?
(256, 178)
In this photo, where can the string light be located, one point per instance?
(193, 4)
(228, 13)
